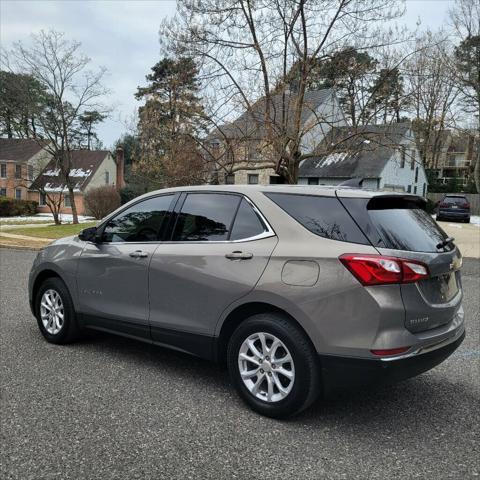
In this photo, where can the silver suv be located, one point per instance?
(300, 290)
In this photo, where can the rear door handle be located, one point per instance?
(239, 255)
(138, 254)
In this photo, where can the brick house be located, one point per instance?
(90, 169)
(21, 160)
(239, 149)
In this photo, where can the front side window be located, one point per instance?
(247, 223)
(141, 222)
(3, 170)
(206, 217)
(323, 216)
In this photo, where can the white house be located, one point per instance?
(385, 156)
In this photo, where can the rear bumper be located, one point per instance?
(341, 373)
(453, 214)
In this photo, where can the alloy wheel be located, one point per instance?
(52, 311)
(266, 367)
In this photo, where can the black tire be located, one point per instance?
(439, 219)
(70, 330)
(467, 220)
(307, 382)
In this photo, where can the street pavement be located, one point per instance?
(113, 408)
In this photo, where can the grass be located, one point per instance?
(52, 231)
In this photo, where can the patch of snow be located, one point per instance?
(475, 220)
(366, 141)
(42, 217)
(52, 173)
(80, 172)
(332, 158)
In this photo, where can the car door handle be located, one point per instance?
(239, 255)
(138, 254)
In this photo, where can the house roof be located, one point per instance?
(84, 165)
(348, 153)
(18, 150)
(252, 122)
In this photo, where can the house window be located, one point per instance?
(229, 179)
(66, 201)
(424, 189)
(416, 175)
(3, 170)
(253, 179)
(415, 189)
(276, 180)
(313, 181)
(409, 189)
(3, 192)
(107, 177)
(30, 172)
(42, 201)
(402, 157)
(412, 162)
(18, 171)
(18, 193)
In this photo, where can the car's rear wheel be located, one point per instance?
(273, 365)
(55, 313)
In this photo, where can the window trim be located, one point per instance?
(3, 165)
(269, 232)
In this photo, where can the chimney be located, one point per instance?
(120, 181)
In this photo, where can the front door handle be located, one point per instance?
(237, 255)
(138, 254)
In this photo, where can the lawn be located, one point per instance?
(52, 231)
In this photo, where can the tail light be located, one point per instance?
(380, 270)
(443, 205)
(466, 205)
(390, 351)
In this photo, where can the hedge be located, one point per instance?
(11, 207)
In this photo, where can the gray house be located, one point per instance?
(386, 156)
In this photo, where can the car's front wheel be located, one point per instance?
(55, 313)
(273, 365)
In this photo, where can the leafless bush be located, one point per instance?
(100, 201)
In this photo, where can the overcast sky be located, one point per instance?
(123, 37)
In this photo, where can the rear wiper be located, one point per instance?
(445, 242)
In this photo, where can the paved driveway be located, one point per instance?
(112, 408)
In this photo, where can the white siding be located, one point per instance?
(98, 179)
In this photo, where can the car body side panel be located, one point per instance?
(60, 257)
(192, 283)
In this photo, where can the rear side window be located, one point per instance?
(206, 217)
(403, 225)
(324, 216)
(247, 223)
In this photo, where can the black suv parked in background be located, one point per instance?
(454, 207)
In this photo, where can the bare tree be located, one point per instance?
(432, 92)
(247, 50)
(71, 91)
(465, 19)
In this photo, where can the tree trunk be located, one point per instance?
(73, 204)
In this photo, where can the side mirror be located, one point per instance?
(88, 234)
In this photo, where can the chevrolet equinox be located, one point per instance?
(300, 290)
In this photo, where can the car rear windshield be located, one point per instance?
(324, 216)
(404, 225)
(455, 200)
